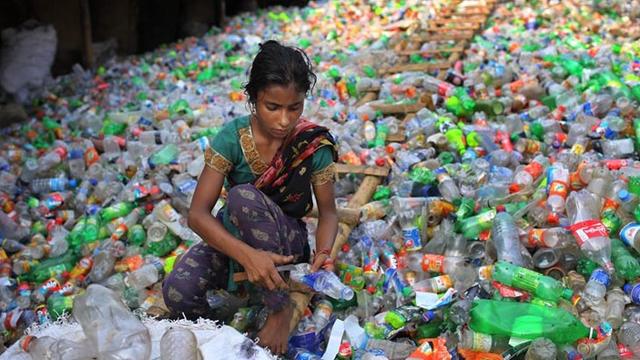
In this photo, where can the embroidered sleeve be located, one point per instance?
(217, 162)
(324, 176)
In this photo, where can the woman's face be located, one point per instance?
(278, 109)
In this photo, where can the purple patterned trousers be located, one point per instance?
(262, 225)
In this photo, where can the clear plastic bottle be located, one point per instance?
(592, 238)
(505, 237)
(179, 343)
(615, 307)
(49, 348)
(629, 335)
(111, 328)
(558, 180)
(541, 349)
(145, 276)
(596, 287)
(324, 282)
(446, 185)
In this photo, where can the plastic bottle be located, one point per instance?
(476, 341)
(179, 343)
(525, 321)
(504, 235)
(591, 235)
(541, 349)
(541, 286)
(400, 317)
(630, 235)
(111, 329)
(324, 282)
(558, 180)
(447, 187)
(528, 174)
(49, 348)
(633, 291)
(41, 186)
(629, 335)
(322, 314)
(596, 287)
(615, 307)
(145, 276)
(160, 241)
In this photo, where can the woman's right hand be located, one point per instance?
(261, 269)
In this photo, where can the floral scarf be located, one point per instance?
(287, 180)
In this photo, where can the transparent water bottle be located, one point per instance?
(505, 237)
(583, 208)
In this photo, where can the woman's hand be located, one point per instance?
(261, 269)
(318, 261)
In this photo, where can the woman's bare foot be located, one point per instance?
(275, 332)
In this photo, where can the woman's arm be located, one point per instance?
(327, 223)
(260, 269)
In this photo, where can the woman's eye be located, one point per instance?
(272, 108)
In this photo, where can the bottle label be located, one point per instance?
(535, 238)
(412, 238)
(526, 279)
(589, 229)
(442, 283)
(634, 294)
(485, 272)
(481, 342)
(600, 276)
(433, 263)
(628, 233)
(559, 188)
(507, 291)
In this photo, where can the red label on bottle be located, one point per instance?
(589, 229)
(433, 263)
(534, 169)
(507, 291)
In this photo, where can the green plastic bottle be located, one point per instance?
(52, 267)
(57, 305)
(541, 286)
(626, 265)
(402, 316)
(136, 235)
(526, 321)
(471, 227)
(160, 241)
(117, 210)
(466, 208)
(490, 107)
(456, 138)
(84, 232)
(165, 156)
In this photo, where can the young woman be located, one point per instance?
(269, 162)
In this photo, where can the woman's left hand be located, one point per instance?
(318, 261)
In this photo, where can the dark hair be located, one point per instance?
(280, 65)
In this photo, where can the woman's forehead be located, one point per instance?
(281, 94)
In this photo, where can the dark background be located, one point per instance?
(136, 25)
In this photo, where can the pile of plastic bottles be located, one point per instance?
(509, 223)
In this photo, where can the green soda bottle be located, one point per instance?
(136, 235)
(626, 265)
(382, 130)
(471, 227)
(85, 231)
(526, 321)
(634, 181)
(160, 241)
(466, 208)
(490, 107)
(541, 286)
(117, 210)
(57, 305)
(53, 267)
(165, 156)
(403, 315)
(456, 138)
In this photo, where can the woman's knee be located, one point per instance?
(246, 202)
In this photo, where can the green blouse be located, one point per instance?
(233, 153)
